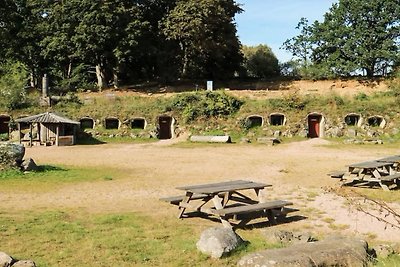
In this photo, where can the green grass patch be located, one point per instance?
(391, 261)
(60, 238)
(379, 194)
(51, 177)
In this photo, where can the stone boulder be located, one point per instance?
(218, 241)
(286, 237)
(29, 165)
(335, 251)
(11, 155)
(24, 263)
(5, 260)
(268, 141)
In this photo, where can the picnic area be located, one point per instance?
(116, 189)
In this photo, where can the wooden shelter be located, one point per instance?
(50, 129)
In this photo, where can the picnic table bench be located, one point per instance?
(229, 202)
(382, 172)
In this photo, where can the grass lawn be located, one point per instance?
(52, 177)
(74, 237)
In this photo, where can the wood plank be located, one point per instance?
(370, 164)
(252, 208)
(392, 177)
(190, 187)
(391, 159)
(336, 174)
(228, 188)
(181, 197)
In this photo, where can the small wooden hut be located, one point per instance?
(50, 129)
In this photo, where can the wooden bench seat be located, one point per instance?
(276, 204)
(283, 211)
(175, 200)
(337, 174)
(391, 177)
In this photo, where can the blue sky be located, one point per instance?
(271, 22)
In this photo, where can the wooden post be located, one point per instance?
(30, 135)
(74, 135)
(57, 133)
(19, 133)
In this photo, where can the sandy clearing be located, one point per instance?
(297, 171)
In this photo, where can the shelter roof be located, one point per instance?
(47, 117)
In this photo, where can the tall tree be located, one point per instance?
(22, 31)
(260, 61)
(206, 34)
(106, 33)
(301, 46)
(357, 35)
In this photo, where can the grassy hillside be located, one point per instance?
(225, 111)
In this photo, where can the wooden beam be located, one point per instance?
(19, 132)
(30, 135)
(57, 133)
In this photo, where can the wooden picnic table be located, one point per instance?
(228, 201)
(392, 159)
(380, 172)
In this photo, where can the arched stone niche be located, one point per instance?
(87, 123)
(255, 121)
(376, 121)
(138, 123)
(112, 123)
(277, 119)
(4, 124)
(316, 125)
(353, 119)
(166, 127)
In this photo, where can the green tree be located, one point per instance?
(260, 61)
(22, 32)
(107, 33)
(355, 35)
(206, 34)
(13, 79)
(301, 46)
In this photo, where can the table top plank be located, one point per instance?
(191, 187)
(228, 188)
(391, 159)
(370, 164)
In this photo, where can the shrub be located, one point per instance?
(204, 104)
(291, 101)
(361, 96)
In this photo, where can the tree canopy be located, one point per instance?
(354, 36)
(260, 61)
(113, 40)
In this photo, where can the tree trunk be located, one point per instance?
(101, 77)
(115, 77)
(69, 71)
(185, 59)
(32, 80)
(370, 72)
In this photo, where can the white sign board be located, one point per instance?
(209, 85)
